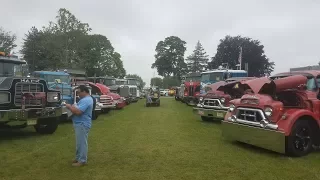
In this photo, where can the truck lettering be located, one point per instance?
(30, 80)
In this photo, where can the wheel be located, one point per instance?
(47, 125)
(299, 142)
(204, 118)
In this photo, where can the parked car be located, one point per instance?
(164, 92)
(281, 115)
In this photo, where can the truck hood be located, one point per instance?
(295, 82)
(114, 95)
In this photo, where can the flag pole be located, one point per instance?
(240, 57)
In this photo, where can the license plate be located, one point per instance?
(31, 122)
(200, 112)
(220, 115)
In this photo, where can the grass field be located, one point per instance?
(166, 142)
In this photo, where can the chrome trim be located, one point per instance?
(221, 106)
(29, 84)
(250, 109)
(269, 139)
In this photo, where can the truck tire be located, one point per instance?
(47, 125)
(300, 141)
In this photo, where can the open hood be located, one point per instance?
(241, 85)
(215, 86)
(296, 82)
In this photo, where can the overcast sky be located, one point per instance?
(289, 29)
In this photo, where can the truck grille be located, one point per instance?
(28, 88)
(133, 91)
(211, 102)
(105, 100)
(253, 115)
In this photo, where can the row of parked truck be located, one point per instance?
(37, 99)
(280, 113)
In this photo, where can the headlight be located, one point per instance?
(231, 108)
(222, 100)
(268, 111)
(201, 99)
(53, 97)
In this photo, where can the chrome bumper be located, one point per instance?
(265, 138)
(213, 113)
(19, 116)
(108, 106)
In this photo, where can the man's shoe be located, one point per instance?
(78, 164)
(75, 161)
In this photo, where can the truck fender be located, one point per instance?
(292, 116)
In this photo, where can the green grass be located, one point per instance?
(166, 142)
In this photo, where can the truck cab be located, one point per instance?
(220, 74)
(191, 88)
(27, 101)
(60, 81)
(133, 84)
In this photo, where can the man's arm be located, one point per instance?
(82, 106)
(73, 109)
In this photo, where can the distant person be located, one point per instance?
(82, 117)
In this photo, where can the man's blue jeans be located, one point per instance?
(81, 132)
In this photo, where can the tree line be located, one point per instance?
(66, 43)
(171, 63)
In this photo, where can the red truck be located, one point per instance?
(282, 114)
(214, 104)
(118, 101)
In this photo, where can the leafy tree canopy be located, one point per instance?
(170, 57)
(252, 53)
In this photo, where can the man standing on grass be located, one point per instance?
(82, 116)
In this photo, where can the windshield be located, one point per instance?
(120, 82)
(57, 78)
(109, 82)
(132, 82)
(10, 69)
(212, 77)
(193, 78)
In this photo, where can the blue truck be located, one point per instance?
(59, 80)
(220, 74)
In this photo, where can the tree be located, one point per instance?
(170, 57)
(142, 83)
(7, 41)
(156, 81)
(252, 53)
(42, 50)
(67, 44)
(170, 81)
(198, 60)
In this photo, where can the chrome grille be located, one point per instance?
(105, 100)
(28, 88)
(133, 91)
(252, 115)
(211, 102)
